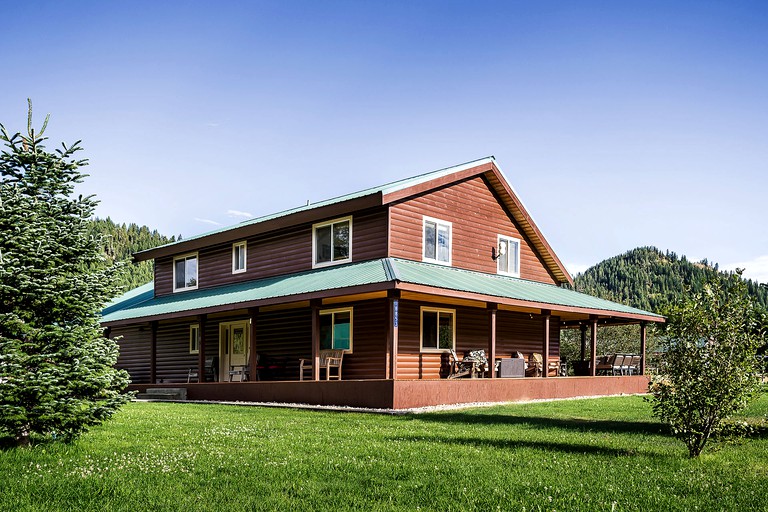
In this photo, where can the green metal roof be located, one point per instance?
(383, 189)
(450, 278)
(140, 303)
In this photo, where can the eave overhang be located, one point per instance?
(364, 278)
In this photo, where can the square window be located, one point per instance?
(185, 272)
(239, 252)
(438, 329)
(437, 241)
(332, 242)
(508, 256)
(336, 329)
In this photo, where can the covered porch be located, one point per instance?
(396, 321)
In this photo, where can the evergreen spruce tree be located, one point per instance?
(57, 374)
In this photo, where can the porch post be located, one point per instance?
(583, 329)
(492, 311)
(547, 313)
(593, 347)
(153, 352)
(315, 306)
(201, 348)
(392, 334)
(254, 314)
(642, 347)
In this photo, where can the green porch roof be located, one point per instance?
(333, 281)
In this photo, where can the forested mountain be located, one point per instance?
(122, 240)
(648, 278)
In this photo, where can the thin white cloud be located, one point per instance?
(576, 268)
(238, 213)
(755, 269)
(208, 221)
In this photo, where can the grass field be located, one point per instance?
(597, 454)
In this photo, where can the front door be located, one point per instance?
(233, 350)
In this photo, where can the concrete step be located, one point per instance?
(163, 394)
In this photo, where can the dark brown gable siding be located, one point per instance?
(477, 217)
(278, 253)
(135, 350)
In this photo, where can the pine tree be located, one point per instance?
(57, 374)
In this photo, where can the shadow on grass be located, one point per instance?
(513, 444)
(579, 425)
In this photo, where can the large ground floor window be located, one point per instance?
(336, 329)
(438, 329)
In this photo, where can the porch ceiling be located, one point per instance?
(375, 275)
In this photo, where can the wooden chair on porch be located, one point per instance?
(210, 369)
(535, 365)
(329, 359)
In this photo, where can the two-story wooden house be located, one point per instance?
(396, 276)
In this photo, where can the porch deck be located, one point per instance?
(408, 394)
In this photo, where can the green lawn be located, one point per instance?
(598, 454)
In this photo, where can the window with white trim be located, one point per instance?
(437, 241)
(336, 329)
(239, 253)
(332, 242)
(194, 339)
(185, 272)
(508, 256)
(438, 329)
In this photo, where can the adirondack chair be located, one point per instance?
(535, 365)
(474, 364)
(329, 359)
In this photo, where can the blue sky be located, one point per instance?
(620, 124)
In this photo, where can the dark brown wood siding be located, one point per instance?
(173, 357)
(134, 344)
(277, 253)
(521, 332)
(477, 218)
(514, 332)
(284, 337)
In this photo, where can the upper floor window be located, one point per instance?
(332, 242)
(194, 339)
(239, 250)
(508, 256)
(185, 272)
(438, 329)
(336, 329)
(437, 241)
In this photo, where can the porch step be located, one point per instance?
(163, 394)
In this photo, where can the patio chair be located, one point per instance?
(210, 368)
(329, 359)
(535, 365)
(553, 366)
(634, 365)
(474, 364)
(605, 364)
(618, 364)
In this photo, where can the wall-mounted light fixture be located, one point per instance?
(497, 253)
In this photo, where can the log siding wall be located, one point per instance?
(514, 332)
(477, 218)
(276, 253)
(284, 336)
